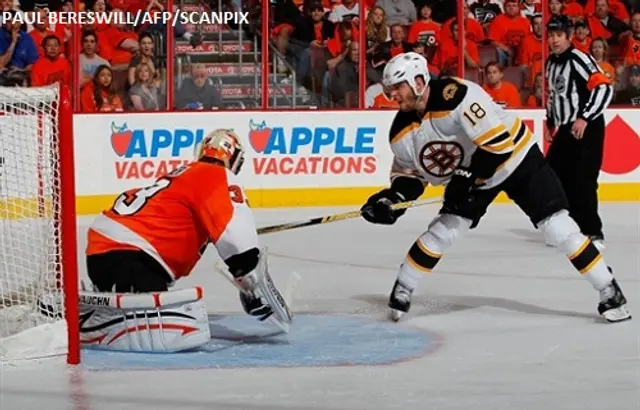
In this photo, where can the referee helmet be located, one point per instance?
(560, 23)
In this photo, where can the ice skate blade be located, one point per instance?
(396, 314)
(620, 314)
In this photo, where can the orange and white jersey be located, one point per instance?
(174, 219)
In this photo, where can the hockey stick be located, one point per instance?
(338, 217)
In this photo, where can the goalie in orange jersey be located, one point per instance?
(155, 235)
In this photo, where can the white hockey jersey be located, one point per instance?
(460, 118)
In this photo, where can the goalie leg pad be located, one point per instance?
(265, 287)
(161, 322)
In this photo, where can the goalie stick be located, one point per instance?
(338, 217)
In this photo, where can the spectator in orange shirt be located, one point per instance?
(581, 39)
(535, 98)
(604, 24)
(472, 28)
(575, 12)
(52, 67)
(40, 31)
(598, 50)
(425, 30)
(446, 58)
(122, 40)
(616, 7)
(502, 92)
(99, 94)
(530, 50)
(507, 31)
(631, 53)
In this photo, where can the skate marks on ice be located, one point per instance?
(240, 341)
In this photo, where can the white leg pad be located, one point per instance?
(561, 231)
(159, 322)
(443, 232)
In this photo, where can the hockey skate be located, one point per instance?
(613, 304)
(399, 300)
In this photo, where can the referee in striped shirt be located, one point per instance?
(579, 92)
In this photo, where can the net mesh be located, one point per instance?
(30, 263)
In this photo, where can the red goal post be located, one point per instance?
(38, 247)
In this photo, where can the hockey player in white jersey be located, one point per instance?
(450, 132)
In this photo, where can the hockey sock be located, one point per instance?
(588, 260)
(419, 260)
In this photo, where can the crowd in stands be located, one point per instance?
(124, 68)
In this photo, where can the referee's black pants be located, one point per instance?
(577, 164)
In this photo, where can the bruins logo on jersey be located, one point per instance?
(441, 158)
(449, 91)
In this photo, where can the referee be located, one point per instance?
(579, 92)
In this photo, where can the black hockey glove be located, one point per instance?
(458, 195)
(254, 306)
(378, 210)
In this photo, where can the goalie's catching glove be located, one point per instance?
(378, 210)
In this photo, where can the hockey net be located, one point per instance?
(35, 131)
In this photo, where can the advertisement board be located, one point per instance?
(293, 158)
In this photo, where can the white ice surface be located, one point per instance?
(518, 328)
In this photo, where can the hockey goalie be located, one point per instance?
(155, 235)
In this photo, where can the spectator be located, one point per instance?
(507, 31)
(348, 10)
(434, 72)
(121, 39)
(307, 43)
(377, 99)
(631, 53)
(155, 8)
(425, 30)
(603, 24)
(631, 94)
(144, 94)
(344, 83)
(446, 58)
(472, 29)
(53, 66)
(485, 12)
(616, 8)
(41, 30)
(378, 31)
(397, 45)
(581, 39)
(575, 12)
(401, 12)
(89, 59)
(337, 48)
(535, 98)
(502, 92)
(530, 50)
(598, 50)
(100, 94)
(198, 91)
(530, 8)
(17, 50)
(556, 8)
(145, 55)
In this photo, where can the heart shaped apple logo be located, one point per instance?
(120, 138)
(259, 135)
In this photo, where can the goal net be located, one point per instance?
(35, 125)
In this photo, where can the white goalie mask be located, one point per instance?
(406, 67)
(224, 146)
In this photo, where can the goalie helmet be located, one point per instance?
(224, 146)
(406, 67)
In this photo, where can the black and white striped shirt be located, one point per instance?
(578, 88)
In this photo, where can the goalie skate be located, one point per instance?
(266, 288)
(613, 304)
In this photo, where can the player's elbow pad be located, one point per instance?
(243, 263)
(410, 188)
(484, 163)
